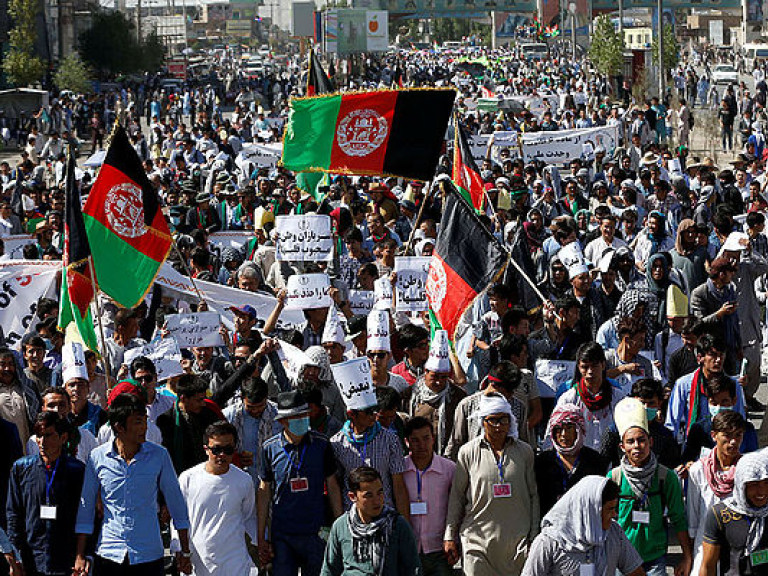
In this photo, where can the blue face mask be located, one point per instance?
(48, 344)
(299, 426)
(715, 410)
(651, 413)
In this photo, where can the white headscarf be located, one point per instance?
(575, 521)
(497, 404)
(752, 467)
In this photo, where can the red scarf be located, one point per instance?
(721, 481)
(597, 401)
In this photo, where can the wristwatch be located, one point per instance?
(185, 554)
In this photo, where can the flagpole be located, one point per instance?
(104, 352)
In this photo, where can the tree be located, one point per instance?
(20, 64)
(671, 48)
(607, 47)
(73, 74)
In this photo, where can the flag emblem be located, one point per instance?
(124, 207)
(361, 132)
(437, 284)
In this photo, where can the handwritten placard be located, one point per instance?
(410, 287)
(304, 238)
(382, 293)
(308, 291)
(355, 383)
(361, 301)
(164, 353)
(195, 330)
(552, 374)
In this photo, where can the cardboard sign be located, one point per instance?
(192, 330)
(552, 374)
(304, 238)
(355, 383)
(308, 291)
(14, 246)
(165, 354)
(410, 287)
(361, 301)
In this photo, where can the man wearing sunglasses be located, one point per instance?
(221, 500)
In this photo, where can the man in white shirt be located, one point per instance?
(607, 240)
(221, 501)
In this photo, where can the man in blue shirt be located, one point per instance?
(298, 463)
(127, 475)
(42, 500)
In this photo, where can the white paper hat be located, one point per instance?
(630, 413)
(577, 269)
(382, 294)
(571, 254)
(333, 330)
(439, 353)
(355, 383)
(73, 362)
(378, 331)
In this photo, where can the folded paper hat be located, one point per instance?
(439, 353)
(378, 331)
(630, 413)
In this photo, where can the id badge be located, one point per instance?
(641, 517)
(48, 512)
(502, 490)
(759, 557)
(299, 485)
(418, 508)
(587, 570)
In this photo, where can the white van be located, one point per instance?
(534, 51)
(753, 53)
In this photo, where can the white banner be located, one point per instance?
(292, 359)
(551, 374)
(22, 283)
(260, 155)
(304, 238)
(478, 145)
(563, 146)
(410, 287)
(14, 246)
(538, 104)
(505, 139)
(361, 301)
(308, 291)
(230, 239)
(191, 330)
(164, 353)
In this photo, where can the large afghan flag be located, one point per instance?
(390, 132)
(127, 231)
(317, 80)
(466, 174)
(77, 285)
(466, 259)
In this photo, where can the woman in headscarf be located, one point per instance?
(626, 272)
(632, 304)
(568, 461)
(688, 256)
(735, 535)
(710, 479)
(659, 275)
(557, 284)
(424, 247)
(580, 532)
(535, 231)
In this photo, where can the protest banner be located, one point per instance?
(304, 238)
(191, 330)
(478, 145)
(165, 354)
(14, 246)
(410, 287)
(259, 155)
(552, 374)
(361, 301)
(308, 291)
(292, 359)
(236, 239)
(22, 284)
(563, 146)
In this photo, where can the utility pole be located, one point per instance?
(621, 19)
(660, 32)
(572, 10)
(138, 21)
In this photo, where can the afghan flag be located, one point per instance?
(390, 132)
(317, 80)
(466, 174)
(77, 287)
(126, 228)
(466, 259)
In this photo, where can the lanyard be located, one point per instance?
(419, 476)
(49, 483)
(365, 448)
(500, 466)
(565, 343)
(301, 458)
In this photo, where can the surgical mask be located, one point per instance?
(715, 410)
(48, 344)
(651, 413)
(299, 426)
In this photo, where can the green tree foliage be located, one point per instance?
(73, 74)
(110, 47)
(671, 48)
(607, 47)
(20, 64)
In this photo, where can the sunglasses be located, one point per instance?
(239, 359)
(377, 354)
(229, 449)
(498, 421)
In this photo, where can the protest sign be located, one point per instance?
(14, 246)
(165, 354)
(308, 291)
(236, 239)
(190, 330)
(292, 358)
(410, 287)
(382, 293)
(571, 254)
(361, 301)
(22, 284)
(650, 355)
(552, 374)
(304, 238)
(260, 155)
(562, 146)
(478, 146)
(505, 139)
(355, 383)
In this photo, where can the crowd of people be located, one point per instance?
(454, 452)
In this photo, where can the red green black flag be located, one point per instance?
(317, 80)
(466, 174)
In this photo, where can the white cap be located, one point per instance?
(355, 383)
(439, 353)
(733, 242)
(577, 269)
(333, 330)
(571, 254)
(378, 331)
(73, 362)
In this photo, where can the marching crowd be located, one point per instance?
(453, 452)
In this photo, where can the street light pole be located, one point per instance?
(572, 10)
(660, 32)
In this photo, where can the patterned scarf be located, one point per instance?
(438, 400)
(370, 541)
(595, 402)
(721, 481)
(639, 478)
(752, 467)
(562, 415)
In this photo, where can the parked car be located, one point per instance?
(725, 74)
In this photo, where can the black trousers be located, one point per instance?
(104, 567)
